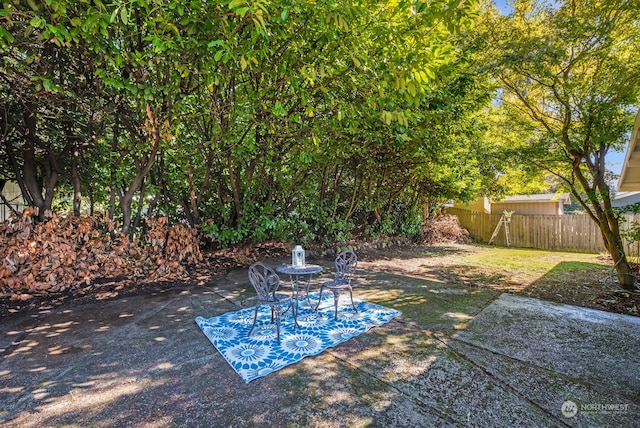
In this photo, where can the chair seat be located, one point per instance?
(279, 298)
(337, 283)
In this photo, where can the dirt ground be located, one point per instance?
(579, 288)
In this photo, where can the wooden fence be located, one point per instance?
(5, 211)
(569, 232)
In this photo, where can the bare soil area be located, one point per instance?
(588, 285)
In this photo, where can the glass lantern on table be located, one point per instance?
(297, 257)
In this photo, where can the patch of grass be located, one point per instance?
(579, 279)
(531, 262)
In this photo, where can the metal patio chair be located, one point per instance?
(345, 263)
(266, 282)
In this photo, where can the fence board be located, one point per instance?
(5, 211)
(576, 233)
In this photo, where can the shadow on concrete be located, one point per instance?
(458, 356)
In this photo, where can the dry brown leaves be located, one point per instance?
(65, 252)
(444, 228)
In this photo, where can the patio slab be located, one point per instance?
(456, 357)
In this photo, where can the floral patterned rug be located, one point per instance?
(257, 356)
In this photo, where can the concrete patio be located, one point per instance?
(456, 357)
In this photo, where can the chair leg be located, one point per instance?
(336, 296)
(352, 304)
(255, 317)
(295, 317)
(278, 325)
(319, 299)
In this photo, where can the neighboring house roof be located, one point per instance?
(540, 204)
(630, 176)
(544, 197)
(625, 198)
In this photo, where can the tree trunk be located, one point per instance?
(125, 207)
(610, 230)
(17, 174)
(30, 181)
(77, 190)
(92, 200)
(113, 167)
(138, 218)
(127, 198)
(194, 214)
(50, 185)
(235, 191)
(604, 217)
(143, 166)
(623, 270)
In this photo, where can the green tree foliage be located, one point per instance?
(256, 119)
(569, 73)
(47, 105)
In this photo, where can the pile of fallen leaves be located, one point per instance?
(62, 253)
(444, 229)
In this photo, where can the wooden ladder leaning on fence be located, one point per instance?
(504, 220)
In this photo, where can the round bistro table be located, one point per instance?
(298, 274)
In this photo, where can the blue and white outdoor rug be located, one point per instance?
(258, 355)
